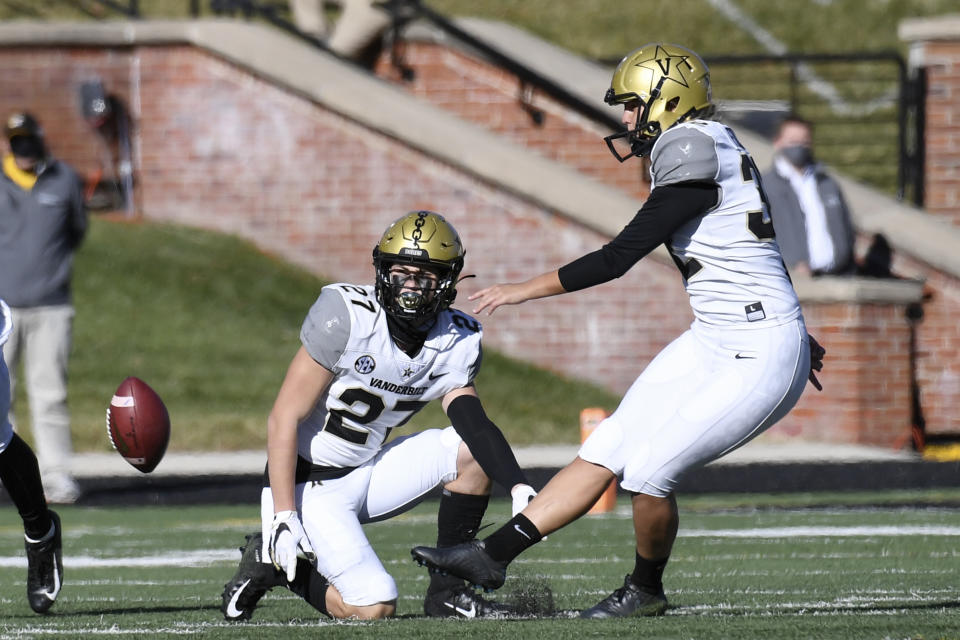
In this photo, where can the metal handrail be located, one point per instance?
(520, 70)
(909, 101)
(910, 98)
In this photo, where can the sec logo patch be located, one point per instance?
(365, 364)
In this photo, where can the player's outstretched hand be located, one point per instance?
(287, 541)
(499, 294)
(816, 361)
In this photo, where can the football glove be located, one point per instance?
(287, 541)
(522, 494)
(816, 361)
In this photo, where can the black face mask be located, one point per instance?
(800, 156)
(409, 335)
(27, 147)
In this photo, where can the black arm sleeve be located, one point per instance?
(666, 210)
(485, 440)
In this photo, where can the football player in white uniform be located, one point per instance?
(740, 367)
(21, 478)
(371, 357)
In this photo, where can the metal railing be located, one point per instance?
(868, 113)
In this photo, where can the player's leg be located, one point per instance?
(21, 478)
(359, 586)
(332, 512)
(12, 347)
(567, 496)
(463, 503)
(647, 408)
(443, 459)
(736, 399)
(348, 579)
(46, 352)
(384, 487)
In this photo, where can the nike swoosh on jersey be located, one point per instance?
(740, 356)
(434, 376)
(466, 613)
(232, 610)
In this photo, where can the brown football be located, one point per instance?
(138, 424)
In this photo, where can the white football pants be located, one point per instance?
(43, 336)
(332, 511)
(708, 392)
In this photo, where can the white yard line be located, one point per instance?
(865, 531)
(195, 558)
(209, 557)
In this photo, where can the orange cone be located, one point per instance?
(589, 419)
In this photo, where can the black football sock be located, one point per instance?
(510, 540)
(648, 574)
(458, 520)
(21, 478)
(311, 586)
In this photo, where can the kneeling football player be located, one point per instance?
(371, 357)
(21, 478)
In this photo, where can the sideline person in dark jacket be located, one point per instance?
(810, 215)
(42, 223)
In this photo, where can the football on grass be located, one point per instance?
(138, 424)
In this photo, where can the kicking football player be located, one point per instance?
(371, 357)
(740, 367)
(21, 478)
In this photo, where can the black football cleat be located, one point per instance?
(252, 579)
(468, 560)
(45, 568)
(629, 600)
(464, 602)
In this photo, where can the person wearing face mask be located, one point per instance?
(810, 215)
(42, 223)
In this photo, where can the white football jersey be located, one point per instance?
(377, 387)
(729, 258)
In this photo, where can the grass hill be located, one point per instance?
(604, 29)
(211, 323)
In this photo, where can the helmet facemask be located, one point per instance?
(406, 294)
(642, 136)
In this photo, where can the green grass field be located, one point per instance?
(814, 566)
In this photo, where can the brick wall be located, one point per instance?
(222, 149)
(938, 346)
(942, 177)
(496, 99)
(866, 378)
(47, 83)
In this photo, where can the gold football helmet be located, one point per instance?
(423, 239)
(671, 83)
